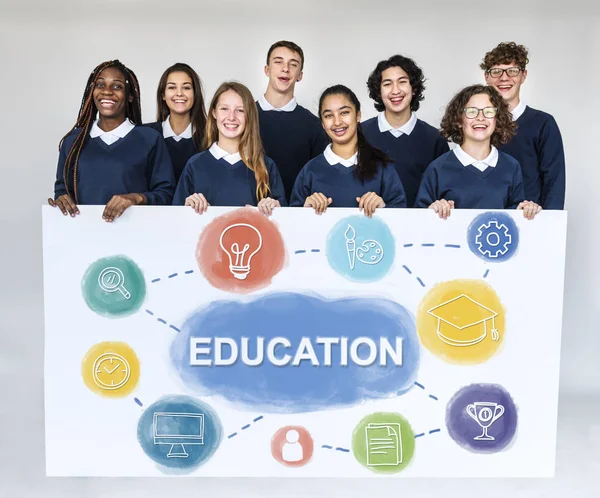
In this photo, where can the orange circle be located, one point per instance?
(461, 321)
(292, 446)
(240, 251)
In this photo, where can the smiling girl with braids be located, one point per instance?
(108, 158)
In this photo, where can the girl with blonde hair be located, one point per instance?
(234, 170)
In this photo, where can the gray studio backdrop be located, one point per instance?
(47, 50)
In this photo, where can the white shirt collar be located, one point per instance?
(110, 137)
(333, 158)
(265, 106)
(219, 153)
(406, 128)
(519, 110)
(169, 133)
(465, 159)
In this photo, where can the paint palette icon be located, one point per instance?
(370, 252)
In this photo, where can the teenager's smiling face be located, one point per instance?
(179, 93)
(284, 69)
(339, 118)
(109, 94)
(480, 128)
(230, 115)
(396, 90)
(507, 86)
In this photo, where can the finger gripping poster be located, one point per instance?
(232, 344)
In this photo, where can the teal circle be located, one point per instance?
(114, 286)
(373, 251)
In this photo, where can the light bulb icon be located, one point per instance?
(240, 242)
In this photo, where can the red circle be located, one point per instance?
(302, 449)
(240, 251)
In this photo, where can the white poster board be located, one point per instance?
(401, 345)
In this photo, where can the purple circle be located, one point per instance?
(482, 418)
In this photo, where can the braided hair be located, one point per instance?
(87, 115)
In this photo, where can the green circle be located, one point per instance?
(389, 453)
(114, 286)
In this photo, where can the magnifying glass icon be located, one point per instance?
(111, 279)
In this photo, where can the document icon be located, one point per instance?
(384, 444)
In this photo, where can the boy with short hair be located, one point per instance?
(291, 134)
(538, 143)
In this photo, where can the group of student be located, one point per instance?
(273, 152)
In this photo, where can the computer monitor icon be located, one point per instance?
(177, 430)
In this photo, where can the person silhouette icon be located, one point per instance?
(292, 450)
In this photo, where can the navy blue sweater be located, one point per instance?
(538, 147)
(225, 184)
(411, 153)
(291, 139)
(343, 186)
(138, 163)
(500, 187)
(180, 151)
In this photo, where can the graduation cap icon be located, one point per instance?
(463, 321)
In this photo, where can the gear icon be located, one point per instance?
(493, 240)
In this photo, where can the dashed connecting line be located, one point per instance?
(433, 431)
(328, 447)
(138, 401)
(410, 273)
(247, 426)
(164, 322)
(429, 244)
(435, 398)
(172, 275)
(304, 251)
(486, 273)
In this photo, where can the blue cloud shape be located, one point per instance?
(309, 385)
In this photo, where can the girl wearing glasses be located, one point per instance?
(475, 175)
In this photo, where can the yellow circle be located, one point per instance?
(111, 369)
(461, 321)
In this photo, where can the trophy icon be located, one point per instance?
(485, 414)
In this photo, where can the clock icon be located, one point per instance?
(110, 371)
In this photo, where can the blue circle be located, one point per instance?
(493, 236)
(179, 432)
(361, 249)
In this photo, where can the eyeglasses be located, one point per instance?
(473, 112)
(496, 72)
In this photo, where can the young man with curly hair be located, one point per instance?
(291, 134)
(475, 175)
(537, 144)
(396, 86)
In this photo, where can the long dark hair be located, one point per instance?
(87, 115)
(197, 112)
(369, 157)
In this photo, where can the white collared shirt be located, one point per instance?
(219, 153)
(265, 106)
(405, 129)
(518, 111)
(333, 158)
(465, 159)
(169, 133)
(110, 137)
